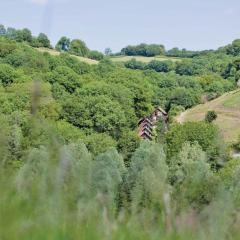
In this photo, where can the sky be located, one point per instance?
(191, 24)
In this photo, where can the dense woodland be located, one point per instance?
(72, 164)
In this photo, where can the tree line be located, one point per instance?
(76, 46)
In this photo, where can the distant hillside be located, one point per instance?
(56, 53)
(228, 110)
(144, 59)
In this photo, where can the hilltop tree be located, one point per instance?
(11, 33)
(234, 48)
(23, 35)
(2, 30)
(108, 51)
(43, 40)
(154, 50)
(63, 44)
(78, 47)
(144, 50)
(26, 35)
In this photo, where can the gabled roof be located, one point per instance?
(161, 110)
(147, 135)
(146, 119)
(146, 125)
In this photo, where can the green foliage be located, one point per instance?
(134, 64)
(63, 44)
(65, 77)
(143, 50)
(185, 97)
(3, 30)
(210, 116)
(160, 131)
(191, 173)
(174, 111)
(205, 134)
(43, 40)
(161, 66)
(78, 47)
(7, 74)
(28, 59)
(128, 143)
(147, 177)
(188, 67)
(73, 63)
(6, 47)
(234, 48)
(95, 55)
(237, 144)
(108, 170)
(226, 174)
(176, 52)
(99, 113)
(108, 51)
(99, 143)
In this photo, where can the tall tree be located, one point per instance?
(11, 33)
(43, 40)
(78, 47)
(108, 51)
(26, 35)
(63, 44)
(2, 30)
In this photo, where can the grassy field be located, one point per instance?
(56, 53)
(114, 59)
(143, 59)
(228, 110)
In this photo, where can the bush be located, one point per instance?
(95, 55)
(6, 47)
(7, 74)
(134, 64)
(161, 66)
(210, 116)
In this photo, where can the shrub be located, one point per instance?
(95, 55)
(7, 74)
(210, 116)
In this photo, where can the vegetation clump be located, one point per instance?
(210, 116)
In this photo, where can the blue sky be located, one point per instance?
(193, 24)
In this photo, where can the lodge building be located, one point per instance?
(147, 124)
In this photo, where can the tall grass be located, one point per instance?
(63, 192)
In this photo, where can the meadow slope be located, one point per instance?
(144, 59)
(228, 110)
(56, 53)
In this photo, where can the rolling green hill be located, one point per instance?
(228, 110)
